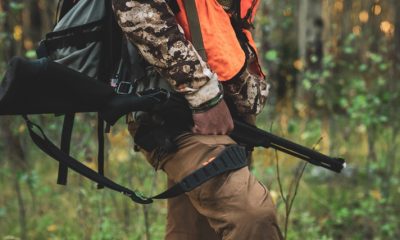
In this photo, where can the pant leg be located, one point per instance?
(236, 205)
(184, 222)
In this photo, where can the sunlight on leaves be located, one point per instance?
(52, 228)
(363, 16)
(298, 64)
(17, 33)
(376, 194)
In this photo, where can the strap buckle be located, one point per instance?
(124, 88)
(42, 50)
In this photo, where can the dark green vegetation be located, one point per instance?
(335, 68)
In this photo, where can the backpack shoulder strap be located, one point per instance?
(194, 26)
(66, 6)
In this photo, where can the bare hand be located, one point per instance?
(215, 121)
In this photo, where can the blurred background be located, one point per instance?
(335, 68)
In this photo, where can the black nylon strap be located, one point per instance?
(66, 6)
(100, 155)
(195, 29)
(51, 149)
(87, 27)
(65, 146)
(231, 158)
(173, 4)
(78, 40)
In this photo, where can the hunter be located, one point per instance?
(233, 205)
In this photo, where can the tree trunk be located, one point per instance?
(21, 208)
(303, 25)
(315, 45)
(32, 24)
(15, 154)
(396, 60)
(14, 151)
(310, 44)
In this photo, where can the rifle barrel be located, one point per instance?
(253, 136)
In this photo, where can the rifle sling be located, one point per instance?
(233, 157)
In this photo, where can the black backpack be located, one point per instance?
(87, 39)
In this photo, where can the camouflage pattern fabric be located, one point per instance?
(248, 93)
(249, 90)
(152, 28)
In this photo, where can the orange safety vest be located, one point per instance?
(223, 48)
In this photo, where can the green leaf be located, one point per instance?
(3, 36)
(3, 212)
(383, 66)
(351, 37)
(360, 101)
(31, 54)
(17, 6)
(363, 67)
(381, 82)
(383, 119)
(326, 74)
(291, 127)
(348, 50)
(343, 102)
(314, 58)
(307, 84)
(272, 55)
(376, 58)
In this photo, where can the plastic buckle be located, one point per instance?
(42, 51)
(124, 88)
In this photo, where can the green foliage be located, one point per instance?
(31, 54)
(16, 6)
(349, 97)
(272, 56)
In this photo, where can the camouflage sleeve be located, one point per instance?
(248, 92)
(152, 28)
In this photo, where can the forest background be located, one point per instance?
(335, 68)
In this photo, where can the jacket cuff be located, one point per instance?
(207, 93)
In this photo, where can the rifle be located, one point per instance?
(161, 100)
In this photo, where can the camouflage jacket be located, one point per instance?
(152, 28)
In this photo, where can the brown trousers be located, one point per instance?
(232, 206)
